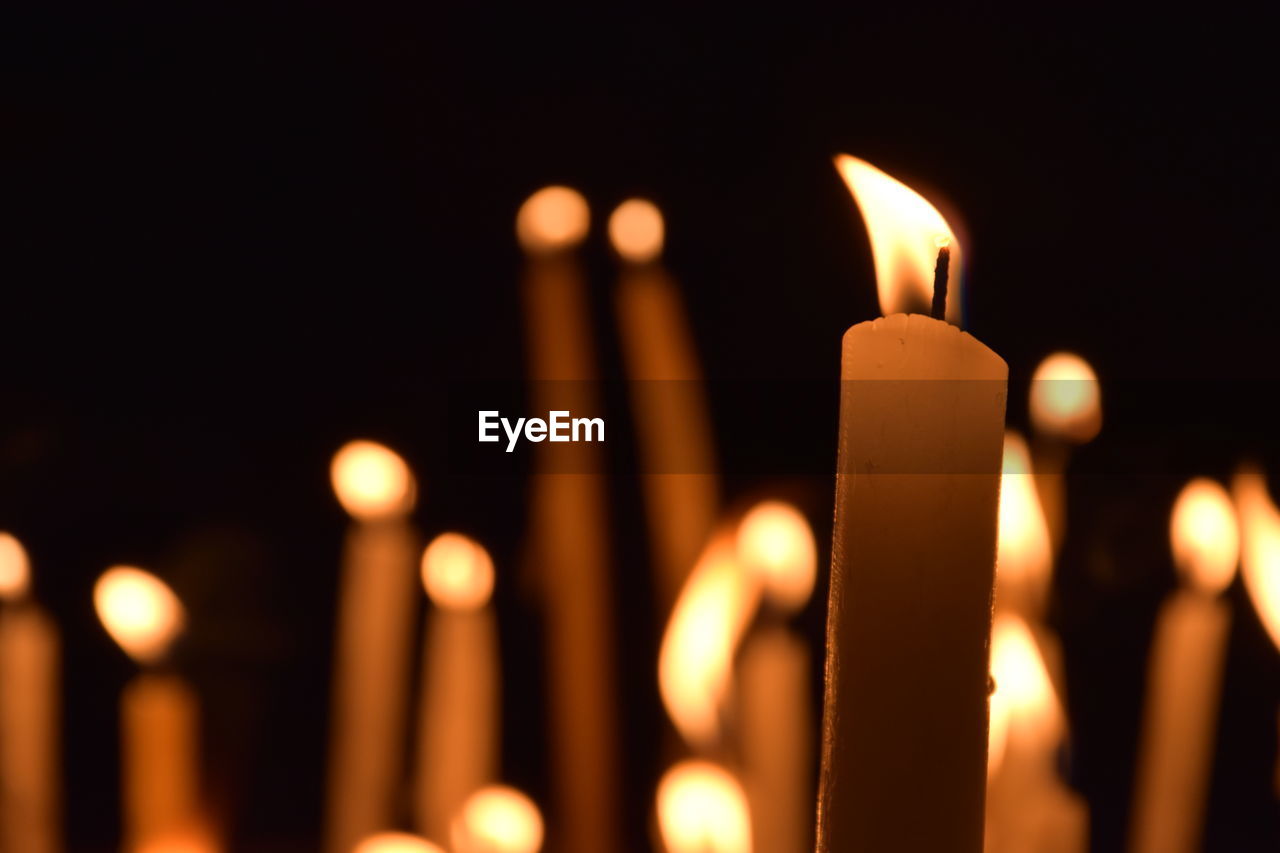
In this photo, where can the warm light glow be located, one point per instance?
(498, 819)
(372, 481)
(1022, 684)
(457, 572)
(776, 544)
(396, 842)
(1023, 558)
(15, 568)
(1260, 546)
(997, 732)
(552, 218)
(1065, 398)
(695, 661)
(636, 230)
(139, 611)
(906, 232)
(702, 809)
(1205, 536)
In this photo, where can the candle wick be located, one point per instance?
(940, 273)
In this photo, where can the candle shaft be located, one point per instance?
(29, 717)
(159, 731)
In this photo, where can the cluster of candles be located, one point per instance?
(943, 713)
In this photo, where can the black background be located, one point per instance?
(239, 236)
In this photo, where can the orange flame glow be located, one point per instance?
(1065, 398)
(1260, 552)
(1030, 705)
(636, 230)
(552, 219)
(1024, 558)
(139, 611)
(702, 809)
(457, 572)
(372, 481)
(906, 232)
(498, 819)
(15, 568)
(396, 842)
(1205, 536)
(776, 544)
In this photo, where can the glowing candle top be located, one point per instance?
(636, 230)
(1260, 546)
(1065, 398)
(372, 481)
(457, 572)
(139, 611)
(776, 544)
(15, 568)
(702, 809)
(498, 819)
(1204, 536)
(552, 219)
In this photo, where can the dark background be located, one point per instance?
(240, 236)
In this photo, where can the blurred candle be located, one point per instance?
(458, 733)
(498, 819)
(776, 545)
(1066, 410)
(673, 426)
(395, 842)
(702, 809)
(1184, 681)
(159, 723)
(373, 647)
(29, 711)
(569, 526)
(921, 425)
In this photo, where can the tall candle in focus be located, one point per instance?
(458, 734)
(921, 426)
(498, 819)
(1184, 680)
(1066, 410)
(570, 552)
(701, 808)
(373, 647)
(29, 711)
(673, 426)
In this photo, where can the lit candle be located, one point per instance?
(1066, 410)
(395, 842)
(458, 733)
(569, 526)
(498, 819)
(673, 427)
(921, 424)
(159, 724)
(373, 646)
(1184, 679)
(29, 711)
(702, 809)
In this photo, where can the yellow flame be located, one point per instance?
(457, 572)
(553, 218)
(702, 809)
(15, 568)
(776, 544)
(1022, 683)
(372, 481)
(139, 611)
(906, 232)
(1066, 400)
(498, 819)
(396, 842)
(1024, 558)
(1260, 552)
(695, 659)
(636, 230)
(1205, 536)
(997, 732)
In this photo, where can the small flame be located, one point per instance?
(776, 544)
(396, 842)
(457, 572)
(1065, 398)
(551, 219)
(372, 481)
(139, 611)
(498, 819)
(702, 809)
(1023, 559)
(1260, 554)
(906, 233)
(696, 657)
(1023, 687)
(636, 230)
(1205, 536)
(15, 568)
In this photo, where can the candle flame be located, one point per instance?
(372, 481)
(552, 219)
(776, 544)
(906, 232)
(457, 572)
(1023, 558)
(15, 568)
(1205, 536)
(498, 819)
(1023, 687)
(396, 842)
(636, 230)
(1065, 398)
(702, 809)
(139, 611)
(1260, 554)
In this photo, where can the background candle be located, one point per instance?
(395, 842)
(701, 808)
(498, 819)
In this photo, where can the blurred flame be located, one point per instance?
(1023, 558)
(636, 230)
(702, 809)
(372, 481)
(776, 544)
(696, 657)
(1260, 554)
(139, 611)
(1205, 536)
(997, 732)
(498, 819)
(906, 232)
(15, 568)
(552, 218)
(457, 572)
(1065, 398)
(1022, 685)
(396, 842)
